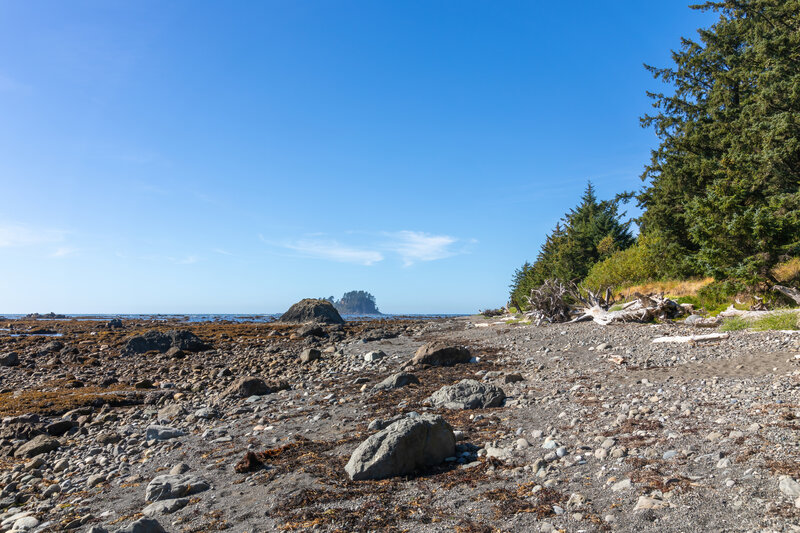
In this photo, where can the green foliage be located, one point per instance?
(357, 303)
(724, 182)
(588, 233)
(777, 321)
(734, 323)
(652, 258)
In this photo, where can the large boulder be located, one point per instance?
(468, 394)
(441, 354)
(162, 341)
(35, 446)
(312, 310)
(402, 448)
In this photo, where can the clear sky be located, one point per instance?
(215, 157)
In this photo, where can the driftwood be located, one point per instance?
(693, 338)
(549, 303)
(643, 309)
(789, 292)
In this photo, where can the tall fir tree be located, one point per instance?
(724, 182)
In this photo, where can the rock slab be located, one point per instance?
(169, 487)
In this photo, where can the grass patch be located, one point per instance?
(787, 271)
(777, 321)
(675, 288)
(735, 323)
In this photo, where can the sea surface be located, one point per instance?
(239, 318)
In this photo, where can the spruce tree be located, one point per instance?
(724, 182)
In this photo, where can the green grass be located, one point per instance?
(617, 307)
(777, 321)
(774, 322)
(735, 323)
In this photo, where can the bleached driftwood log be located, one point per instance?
(789, 292)
(549, 303)
(693, 338)
(643, 309)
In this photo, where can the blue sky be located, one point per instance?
(210, 157)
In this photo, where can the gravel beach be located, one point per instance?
(151, 426)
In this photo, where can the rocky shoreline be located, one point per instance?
(149, 426)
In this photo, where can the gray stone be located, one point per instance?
(165, 506)
(168, 487)
(248, 386)
(9, 359)
(170, 412)
(35, 446)
(468, 394)
(441, 354)
(403, 447)
(60, 427)
(143, 525)
(25, 523)
(163, 433)
(789, 487)
(377, 355)
(180, 468)
(395, 381)
(159, 341)
(310, 354)
(95, 479)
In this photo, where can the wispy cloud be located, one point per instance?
(415, 246)
(63, 251)
(188, 260)
(332, 250)
(411, 246)
(221, 251)
(23, 235)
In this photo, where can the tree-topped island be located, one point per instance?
(356, 303)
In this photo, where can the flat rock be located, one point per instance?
(143, 525)
(468, 394)
(165, 506)
(402, 448)
(168, 487)
(163, 433)
(789, 487)
(248, 386)
(395, 381)
(441, 354)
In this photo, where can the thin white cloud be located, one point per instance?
(333, 251)
(22, 235)
(415, 246)
(63, 251)
(188, 260)
(221, 251)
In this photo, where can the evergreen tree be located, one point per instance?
(724, 182)
(587, 234)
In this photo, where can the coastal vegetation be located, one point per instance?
(356, 303)
(721, 196)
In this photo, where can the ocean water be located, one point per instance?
(238, 318)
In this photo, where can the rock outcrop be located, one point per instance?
(312, 310)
